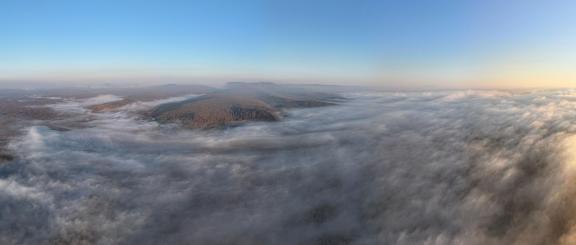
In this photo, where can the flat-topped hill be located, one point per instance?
(238, 103)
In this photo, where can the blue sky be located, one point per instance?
(441, 43)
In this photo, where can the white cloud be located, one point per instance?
(470, 167)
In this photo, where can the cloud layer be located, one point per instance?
(464, 167)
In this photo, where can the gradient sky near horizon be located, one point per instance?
(395, 43)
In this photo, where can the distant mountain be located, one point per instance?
(215, 110)
(238, 103)
(110, 106)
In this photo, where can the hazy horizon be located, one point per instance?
(409, 44)
(219, 83)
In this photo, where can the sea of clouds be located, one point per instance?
(456, 167)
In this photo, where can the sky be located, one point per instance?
(392, 43)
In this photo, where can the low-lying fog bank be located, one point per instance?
(462, 167)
